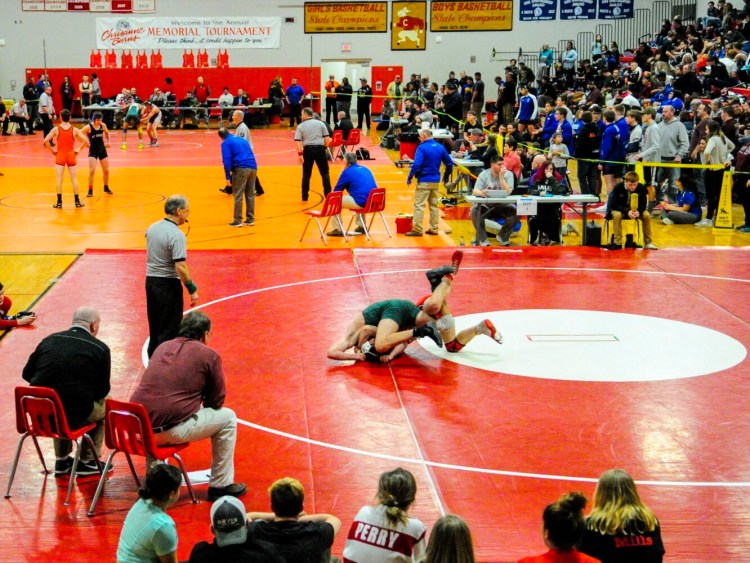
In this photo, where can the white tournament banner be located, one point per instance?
(188, 32)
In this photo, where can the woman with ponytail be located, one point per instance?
(149, 534)
(563, 529)
(385, 532)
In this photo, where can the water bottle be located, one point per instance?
(462, 243)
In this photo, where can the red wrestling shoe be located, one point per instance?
(458, 255)
(493, 332)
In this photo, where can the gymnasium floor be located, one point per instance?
(632, 359)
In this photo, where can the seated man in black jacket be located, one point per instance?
(629, 199)
(76, 365)
(344, 124)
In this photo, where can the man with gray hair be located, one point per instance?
(166, 266)
(359, 182)
(76, 365)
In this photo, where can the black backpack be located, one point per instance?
(363, 154)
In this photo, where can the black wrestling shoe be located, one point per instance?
(233, 490)
(429, 331)
(63, 466)
(435, 276)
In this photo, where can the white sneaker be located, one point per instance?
(705, 223)
(650, 246)
(667, 221)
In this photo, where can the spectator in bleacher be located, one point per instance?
(565, 128)
(544, 228)
(635, 138)
(528, 108)
(507, 99)
(149, 533)
(562, 530)
(568, 59)
(546, 60)
(386, 532)
(619, 518)
(452, 109)
(297, 536)
(511, 158)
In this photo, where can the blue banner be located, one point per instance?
(538, 10)
(615, 9)
(577, 9)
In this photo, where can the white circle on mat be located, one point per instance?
(577, 345)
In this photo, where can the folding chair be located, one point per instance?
(375, 204)
(331, 208)
(215, 111)
(337, 142)
(40, 414)
(128, 430)
(353, 140)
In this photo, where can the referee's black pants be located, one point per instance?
(318, 155)
(164, 308)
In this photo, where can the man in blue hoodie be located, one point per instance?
(426, 167)
(612, 152)
(240, 171)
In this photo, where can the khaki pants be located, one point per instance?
(218, 424)
(64, 447)
(617, 218)
(427, 193)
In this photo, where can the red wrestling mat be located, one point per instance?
(493, 446)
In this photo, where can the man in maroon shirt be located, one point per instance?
(7, 321)
(183, 391)
(202, 92)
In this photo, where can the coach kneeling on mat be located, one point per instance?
(183, 391)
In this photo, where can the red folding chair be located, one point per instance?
(331, 208)
(353, 140)
(40, 414)
(215, 111)
(375, 204)
(337, 142)
(128, 430)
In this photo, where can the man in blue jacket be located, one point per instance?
(240, 171)
(294, 95)
(611, 153)
(426, 167)
(359, 182)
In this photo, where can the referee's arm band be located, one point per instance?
(191, 287)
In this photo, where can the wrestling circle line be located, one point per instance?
(440, 465)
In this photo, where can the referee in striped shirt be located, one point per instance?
(166, 266)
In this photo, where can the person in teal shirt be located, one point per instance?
(149, 534)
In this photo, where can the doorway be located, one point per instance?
(353, 69)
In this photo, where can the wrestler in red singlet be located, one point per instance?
(65, 147)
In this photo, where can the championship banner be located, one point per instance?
(615, 9)
(188, 32)
(471, 16)
(409, 26)
(537, 10)
(346, 17)
(577, 9)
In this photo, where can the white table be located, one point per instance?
(583, 199)
(442, 134)
(467, 163)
